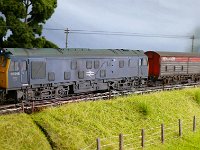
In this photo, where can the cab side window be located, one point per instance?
(14, 66)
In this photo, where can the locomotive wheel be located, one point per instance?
(60, 92)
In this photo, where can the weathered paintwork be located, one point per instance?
(95, 68)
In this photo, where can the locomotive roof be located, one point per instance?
(52, 52)
(178, 54)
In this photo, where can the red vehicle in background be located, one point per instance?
(173, 67)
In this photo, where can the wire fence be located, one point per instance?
(147, 137)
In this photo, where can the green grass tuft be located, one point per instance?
(197, 97)
(144, 108)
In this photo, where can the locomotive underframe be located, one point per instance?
(60, 90)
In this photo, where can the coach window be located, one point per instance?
(89, 64)
(165, 68)
(174, 68)
(24, 66)
(181, 68)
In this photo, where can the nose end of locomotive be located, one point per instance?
(4, 66)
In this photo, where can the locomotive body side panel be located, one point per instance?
(75, 69)
(37, 71)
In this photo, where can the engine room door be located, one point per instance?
(24, 72)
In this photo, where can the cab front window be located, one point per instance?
(3, 61)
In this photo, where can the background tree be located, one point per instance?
(3, 30)
(25, 19)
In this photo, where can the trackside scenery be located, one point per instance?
(76, 126)
(99, 75)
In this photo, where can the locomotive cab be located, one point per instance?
(17, 73)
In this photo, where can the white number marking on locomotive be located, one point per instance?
(15, 73)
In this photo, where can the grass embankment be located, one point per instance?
(19, 132)
(76, 126)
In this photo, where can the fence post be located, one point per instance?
(162, 134)
(121, 141)
(98, 144)
(33, 105)
(180, 127)
(109, 93)
(194, 124)
(23, 106)
(143, 138)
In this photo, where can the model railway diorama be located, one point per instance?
(46, 73)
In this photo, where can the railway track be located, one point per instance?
(32, 106)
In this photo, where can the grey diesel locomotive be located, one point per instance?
(36, 74)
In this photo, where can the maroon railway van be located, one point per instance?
(173, 65)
